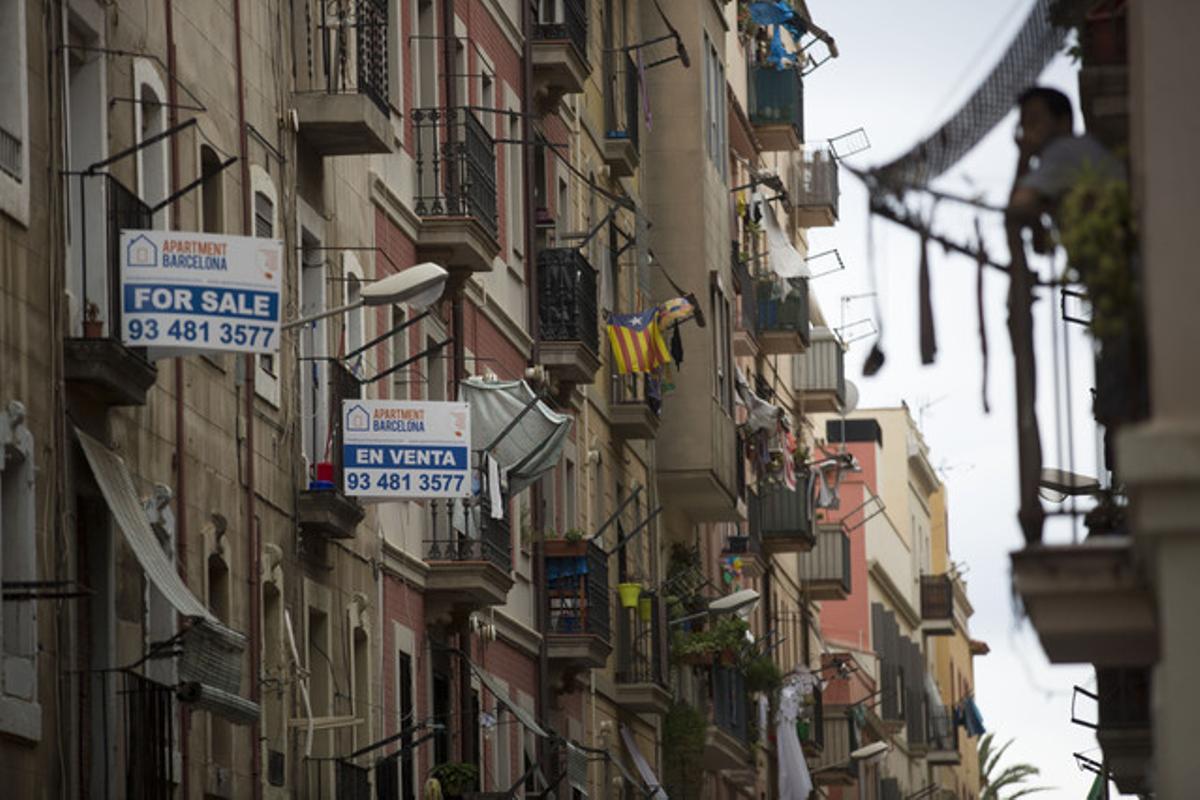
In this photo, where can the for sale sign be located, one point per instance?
(406, 449)
(200, 291)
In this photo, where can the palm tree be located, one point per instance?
(1013, 775)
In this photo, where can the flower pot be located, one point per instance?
(645, 608)
(93, 328)
(562, 548)
(728, 658)
(629, 592)
(697, 659)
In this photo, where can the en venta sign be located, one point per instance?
(406, 449)
(200, 291)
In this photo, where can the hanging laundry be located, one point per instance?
(654, 393)
(641, 73)
(676, 345)
(925, 302)
(637, 343)
(676, 310)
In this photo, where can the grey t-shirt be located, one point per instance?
(1060, 163)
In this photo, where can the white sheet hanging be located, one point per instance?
(795, 782)
(784, 258)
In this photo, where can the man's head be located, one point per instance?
(1045, 115)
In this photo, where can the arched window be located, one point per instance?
(212, 192)
(150, 119)
(265, 209)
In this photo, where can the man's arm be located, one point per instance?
(1026, 206)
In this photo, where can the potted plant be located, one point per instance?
(629, 593)
(692, 649)
(455, 778)
(763, 675)
(93, 326)
(570, 543)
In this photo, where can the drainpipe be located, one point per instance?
(252, 550)
(181, 553)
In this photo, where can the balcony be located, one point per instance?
(1089, 602)
(937, 605)
(567, 316)
(455, 194)
(469, 558)
(341, 99)
(819, 374)
(727, 739)
(782, 319)
(814, 190)
(98, 365)
(622, 109)
(811, 729)
(148, 721)
(747, 546)
(777, 107)
(697, 470)
(745, 328)
(630, 413)
(325, 511)
(560, 37)
(641, 674)
(578, 633)
(825, 570)
(834, 767)
(781, 519)
(1124, 730)
(943, 739)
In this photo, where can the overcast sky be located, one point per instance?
(904, 67)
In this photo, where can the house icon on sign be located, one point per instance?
(357, 419)
(141, 252)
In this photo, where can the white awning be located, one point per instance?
(643, 766)
(784, 258)
(210, 666)
(532, 446)
(523, 716)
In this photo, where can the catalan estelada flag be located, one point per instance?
(637, 343)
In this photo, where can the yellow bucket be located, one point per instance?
(629, 592)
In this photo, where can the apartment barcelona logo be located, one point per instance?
(357, 419)
(141, 252)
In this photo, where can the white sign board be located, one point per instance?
(200, 291)
(406, 449)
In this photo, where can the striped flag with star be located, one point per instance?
(637, 343)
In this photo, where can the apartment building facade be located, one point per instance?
(160, 508)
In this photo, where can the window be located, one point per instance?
(503, 732)
(220, 731)
(314, 372)
(435, 387)
(360, 647)
(399, 352)
(569, 510)
(150, 119)
(266, 226)
(487, 96)
(715, 113)
(20, 714)
(562, 217)
(14, 113)
(722, 361)
(515, 187)
(408, 717)
(425, 54)
(354, 325)
(212, 192)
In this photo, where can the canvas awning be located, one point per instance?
(643, 766)
(523, 716)
(534, 442)
(210, 667)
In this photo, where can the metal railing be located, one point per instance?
(625, 105)
(782, 305)
(937, 597)
(578, 593)
(465, 531)
(336, 779)
(10, 154)
(730, 705)
(571, 25)
(942, 732)
(780, 514)
(353, 49)
(822, 368)
(149, 717)
(747, 309)
(829, 561)
(630, 389)
(812, 729)
(456, 166)
(123, 210)
(815, 183)
(641, 645)
(777, 97)
(343, 385)
(567, 298)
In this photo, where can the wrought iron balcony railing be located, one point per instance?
(937, 597)
(577, 586)
(624, 102)
(10, 154)
(343, 385)
(641, 645)
(101, 281)
(777, 98)
(456, 166)
(562, 20)
(567, 298)
(350, 54)
(465, 531)
(942, 732)
(815, 185)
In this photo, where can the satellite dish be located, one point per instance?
(850, 403)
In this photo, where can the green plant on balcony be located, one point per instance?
(762, 675)
(455, 777)
(1095, 222)
(683, 749)
(723, 640)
